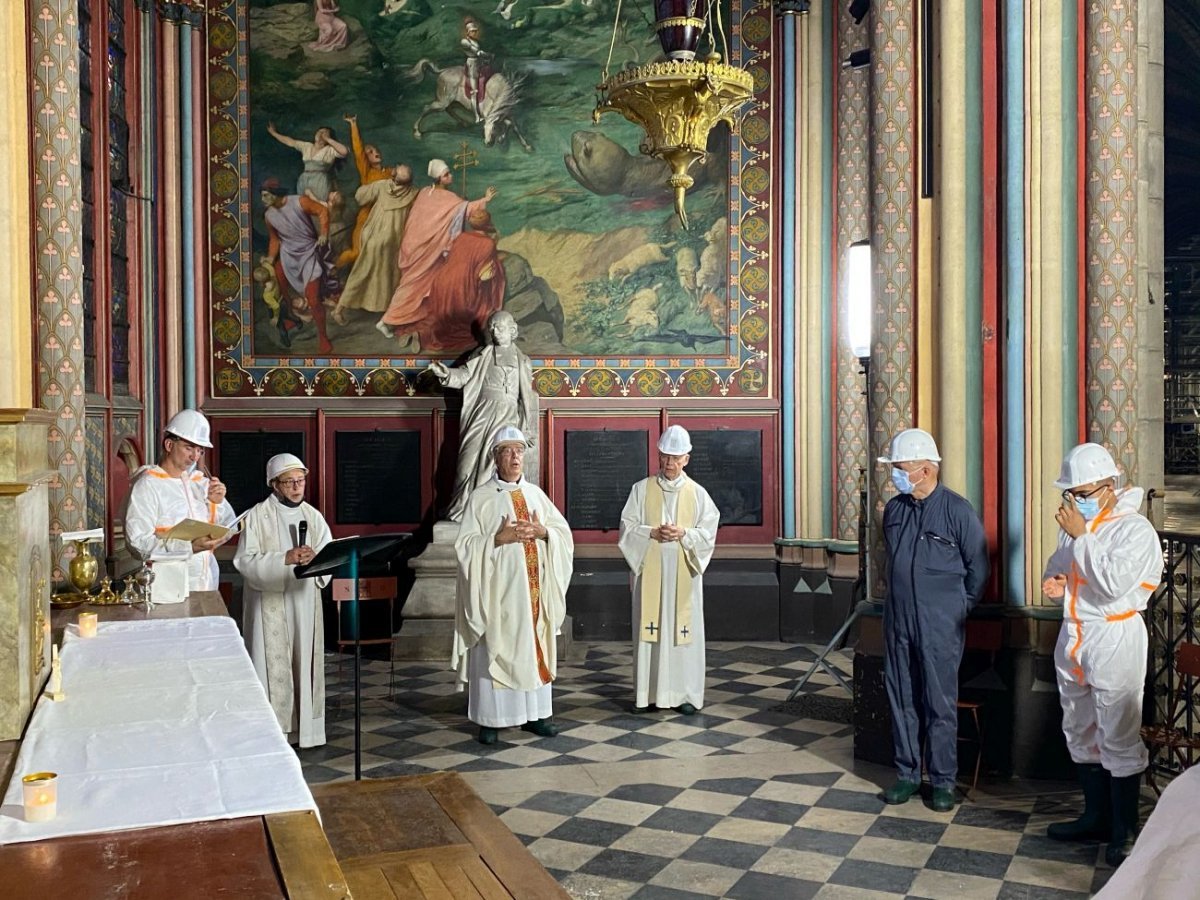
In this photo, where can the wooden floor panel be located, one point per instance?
(429, 837)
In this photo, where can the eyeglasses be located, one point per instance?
(1075, 495)
(292, 482)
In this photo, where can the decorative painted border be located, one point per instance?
(236, 372)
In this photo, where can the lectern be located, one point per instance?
(341, 559)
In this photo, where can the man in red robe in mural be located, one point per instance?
(466, 290)
(297, 252)
(436, 218)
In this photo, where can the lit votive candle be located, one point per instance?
(87, 624)
(41, 796)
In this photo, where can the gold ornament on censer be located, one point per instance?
(678, 101)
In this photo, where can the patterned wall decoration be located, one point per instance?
(893, 245)
(853, 224)
(56, 148)
(1111, 198)
(724, 351)
(97, 474)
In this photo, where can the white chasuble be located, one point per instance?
(511, 604)
(282, 622)
(668, 588)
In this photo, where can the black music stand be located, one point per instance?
(340, 559)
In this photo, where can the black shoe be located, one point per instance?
(686, 709)
(1093, 825)
(488, 736)
(642, 709)
(1125, 794)
(541, 727)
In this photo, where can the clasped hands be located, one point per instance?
(299, 556)
(665, 534)
(513, 531)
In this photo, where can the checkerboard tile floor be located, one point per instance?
(738, 801)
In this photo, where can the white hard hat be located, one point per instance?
(911, 445)
(191, 426)
(1085, 464)
(508, 434)
(283, 462)
(675, 441)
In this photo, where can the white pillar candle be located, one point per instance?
(41, 796)
(87, 624)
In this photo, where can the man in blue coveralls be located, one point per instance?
(937, 567)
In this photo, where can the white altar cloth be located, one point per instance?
(164, 722)
(1165, 862)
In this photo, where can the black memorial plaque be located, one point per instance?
(729, 466)
(378, 477)
(243, 459)
(601, 468)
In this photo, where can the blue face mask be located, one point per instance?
(903, 483)
(1089, 508)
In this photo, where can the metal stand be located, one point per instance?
(858, 591)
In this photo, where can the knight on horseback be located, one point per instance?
(476, 68)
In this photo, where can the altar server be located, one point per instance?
(179, 488)
(668, 531)
(515, 554)
(283, 625)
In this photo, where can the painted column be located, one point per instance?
(1013, 281)
(199, 248)
(788, 192)
(1149, 394)
(893, 223)
(813, 303)
(58, 227)
(169, 194)
(1051, 310)
(187, 178)
(853, 225)
(1111, 196)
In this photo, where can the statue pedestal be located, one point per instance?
(427, 632)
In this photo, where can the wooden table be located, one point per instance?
(427, 837)
(283, 856)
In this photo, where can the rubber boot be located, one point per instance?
(1125, 794)
(1094, 823)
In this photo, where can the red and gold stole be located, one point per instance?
(535, 585)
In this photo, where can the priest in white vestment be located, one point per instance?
(283, 625)
(515, 554)
(668, 531)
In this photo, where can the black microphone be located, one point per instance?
(303, 530)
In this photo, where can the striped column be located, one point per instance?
(1051, 340)
(1111, 197)
(853, 225)
(813, 286)
(893, 222)
(171, 192)
(58, 226)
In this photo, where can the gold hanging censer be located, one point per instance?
(677, 102)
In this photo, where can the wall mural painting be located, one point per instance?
(339, 269)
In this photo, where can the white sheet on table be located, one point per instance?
(1164, 864)
(164, 722)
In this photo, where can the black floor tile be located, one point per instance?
(818, 779)
(770, 811)
(969, 862)
(1014, 891)
(720, 852)
(743, 787)
(590, 831)
(714, 738)
(906, 830)
(831, 843)
(1041, 847)
(761, 886)
(851, 801)
(683, 821)
(874, 876)
(624, 865)
(982, 817)
(558, 802)
(636, 741)
(658, 892)
(658, 794)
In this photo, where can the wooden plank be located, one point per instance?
(370, 883)
(430, 883)
(498, 847)
(457, 881)
(363, 822)
(485, 881)
(306, 861)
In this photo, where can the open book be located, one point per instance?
(191, 529)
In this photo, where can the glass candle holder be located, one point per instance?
(87, 624)
(41, 796)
